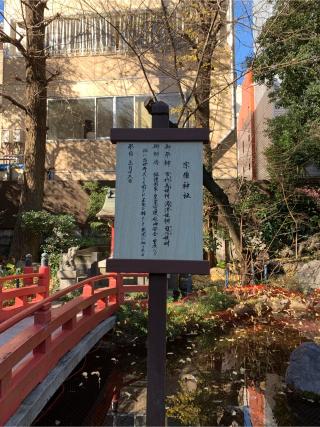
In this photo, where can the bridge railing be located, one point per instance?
(25, 290)
(48, 333)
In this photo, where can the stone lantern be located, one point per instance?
(107, 214)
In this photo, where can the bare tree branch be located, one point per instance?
(53, 75)
(174, 48)
(21, 36)
(15, 102)
(200, 63)
(5, 38)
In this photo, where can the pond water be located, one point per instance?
(211, 380)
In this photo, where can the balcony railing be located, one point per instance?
(107, 33)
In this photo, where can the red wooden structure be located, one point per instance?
(27, 358)
(33, 287)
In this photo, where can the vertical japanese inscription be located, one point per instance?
(186, 180)
(143, 237)
(167, 195)
(130, 163)
(159, 201)
(155, 205)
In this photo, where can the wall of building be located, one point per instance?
(91, 75)
(81, 77)
(221, 124)
(264, 110)
(255, 110)
(246, 130)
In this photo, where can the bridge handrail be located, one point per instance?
(30, 288)
(26, 358)
(4, 279)
(59, 294)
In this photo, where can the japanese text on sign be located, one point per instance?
(159, 201)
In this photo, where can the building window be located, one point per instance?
(104, 116)
(71, 119)
(142, 117)
(124, 112)
(91, 118)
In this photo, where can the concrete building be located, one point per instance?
(101, 85)
(256, 109)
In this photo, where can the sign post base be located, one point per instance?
(156, 345)
(157, 317)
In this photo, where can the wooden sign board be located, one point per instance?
(159, 201)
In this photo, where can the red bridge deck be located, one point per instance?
(34, 336)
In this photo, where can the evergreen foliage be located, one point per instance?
(97, 195)
(288, 62)
(57, 232)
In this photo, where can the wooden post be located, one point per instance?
(44, 270)
(157, 320)
(43, 317)
(88, 289)
(172, 173)
(27, 270)
(113, 283)
(156, 359)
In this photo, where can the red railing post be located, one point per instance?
(88, 289)
(44, 271)
(43, 317)
(113, 285)
(28, 269)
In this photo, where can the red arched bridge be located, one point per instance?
(37, 330)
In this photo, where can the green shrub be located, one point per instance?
(189, 317)
(58, 233)
(97, 195)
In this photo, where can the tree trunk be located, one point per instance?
(35, 122)
(202, 120)
(225, 209)
(202, 98)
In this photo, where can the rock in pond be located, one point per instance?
(303, 372)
